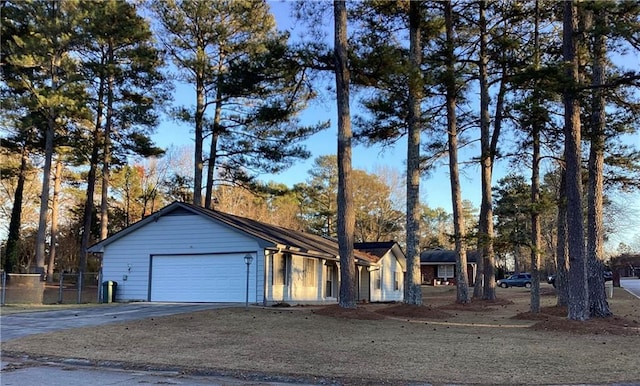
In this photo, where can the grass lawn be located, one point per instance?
(484, 342)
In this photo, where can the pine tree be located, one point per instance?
(41, 72)
(243, 70)
(121, 67)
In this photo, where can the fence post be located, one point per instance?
(100, 286)
(61, 289)
(4, 288)
(80, 277)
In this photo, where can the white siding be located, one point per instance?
(130, 256)
(389, 267)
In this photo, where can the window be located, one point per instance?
(279, 274)
(309, 272)
(396, 281)
(445, 271)
(329, 269)
(377, 282)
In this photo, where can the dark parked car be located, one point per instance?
(608, 276)
(517, 280)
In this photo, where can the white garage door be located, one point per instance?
(199, 278)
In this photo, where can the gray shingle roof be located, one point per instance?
(377, 248)
(295, 241)
(445, 256)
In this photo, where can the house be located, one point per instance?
(439, 266)
(185, 253)
(387, 276)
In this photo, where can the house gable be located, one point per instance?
(386, 276)
(181, 239)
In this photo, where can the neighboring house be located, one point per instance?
(185, 253)
(439, 266)
(387, 276)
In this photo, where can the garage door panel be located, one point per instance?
(200, 278)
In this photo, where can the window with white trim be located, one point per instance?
(309, 272)
(396, 281)
(377, 282)
(279, 274)
(329, 272)
(445, 271)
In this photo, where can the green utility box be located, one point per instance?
(109, 291)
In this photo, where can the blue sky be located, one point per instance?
(435, 189)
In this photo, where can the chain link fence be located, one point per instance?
(63, 288)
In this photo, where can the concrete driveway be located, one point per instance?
(17, 325)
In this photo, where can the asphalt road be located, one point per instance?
(17, 325)
(632, 285)
(20, 372)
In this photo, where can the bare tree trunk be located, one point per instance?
(598, 305)
(456, 194)
(346, 213)
(413, 290)
(578, 289)
(55, 204)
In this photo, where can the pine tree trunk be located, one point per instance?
(562, 249)
(485, 236)
(488, 263)
(459, 229)
(598, 305)
(106, 151)
(536, 235)
(346, 213)
(13, 237)
(50, 132)
(87, 216)
(55, 208)
(578, 290)
(413, 290)
(198, 164)
(213, 150)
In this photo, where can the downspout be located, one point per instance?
(266, 283)
(359, 281)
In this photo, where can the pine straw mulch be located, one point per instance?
(550, 318)
(406, 311)
(555, 319)
(382, 311)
